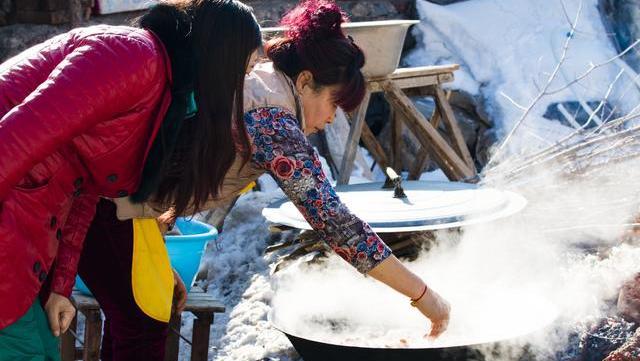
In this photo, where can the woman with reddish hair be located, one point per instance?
(314, 69)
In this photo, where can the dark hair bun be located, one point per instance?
(314, 41)
(316, 20)
(282, 52)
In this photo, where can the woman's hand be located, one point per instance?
(166, 220)
(60, 312)
(179, 293)
(395, 275)
(436, 309)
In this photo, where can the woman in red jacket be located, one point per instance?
(78, 118)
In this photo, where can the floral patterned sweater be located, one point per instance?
(280, 147)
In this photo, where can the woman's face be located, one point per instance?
(318, 102)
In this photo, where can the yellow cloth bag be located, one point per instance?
(151, 273)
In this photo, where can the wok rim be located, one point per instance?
(552, 320)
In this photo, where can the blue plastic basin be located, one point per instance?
(184, 250)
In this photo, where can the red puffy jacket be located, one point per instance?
(78, 114)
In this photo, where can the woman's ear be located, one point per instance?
(304, 80)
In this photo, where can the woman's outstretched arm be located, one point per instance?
(280, 147)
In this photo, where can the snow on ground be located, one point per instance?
(239, 275)
(508, 49)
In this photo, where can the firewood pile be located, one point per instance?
(297, 244)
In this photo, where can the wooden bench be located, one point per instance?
(202, 305)
(452, 156)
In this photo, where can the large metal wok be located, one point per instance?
(312, 349)
(318, 351)
(427, 206)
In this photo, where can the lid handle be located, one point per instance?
(395, 181)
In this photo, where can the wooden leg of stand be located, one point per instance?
(451, 164)
(352, 141)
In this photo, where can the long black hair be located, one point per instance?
(209, 43)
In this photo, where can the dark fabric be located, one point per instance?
(105, 267)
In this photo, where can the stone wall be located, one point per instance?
(446, 2)
(6, 11)
(15, 37)
(269, 12)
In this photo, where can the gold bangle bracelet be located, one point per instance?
(414, 302)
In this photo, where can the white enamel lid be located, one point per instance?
(428, 206)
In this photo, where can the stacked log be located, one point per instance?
(297, 244)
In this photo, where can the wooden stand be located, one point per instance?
(454, 160)
(202, 305)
